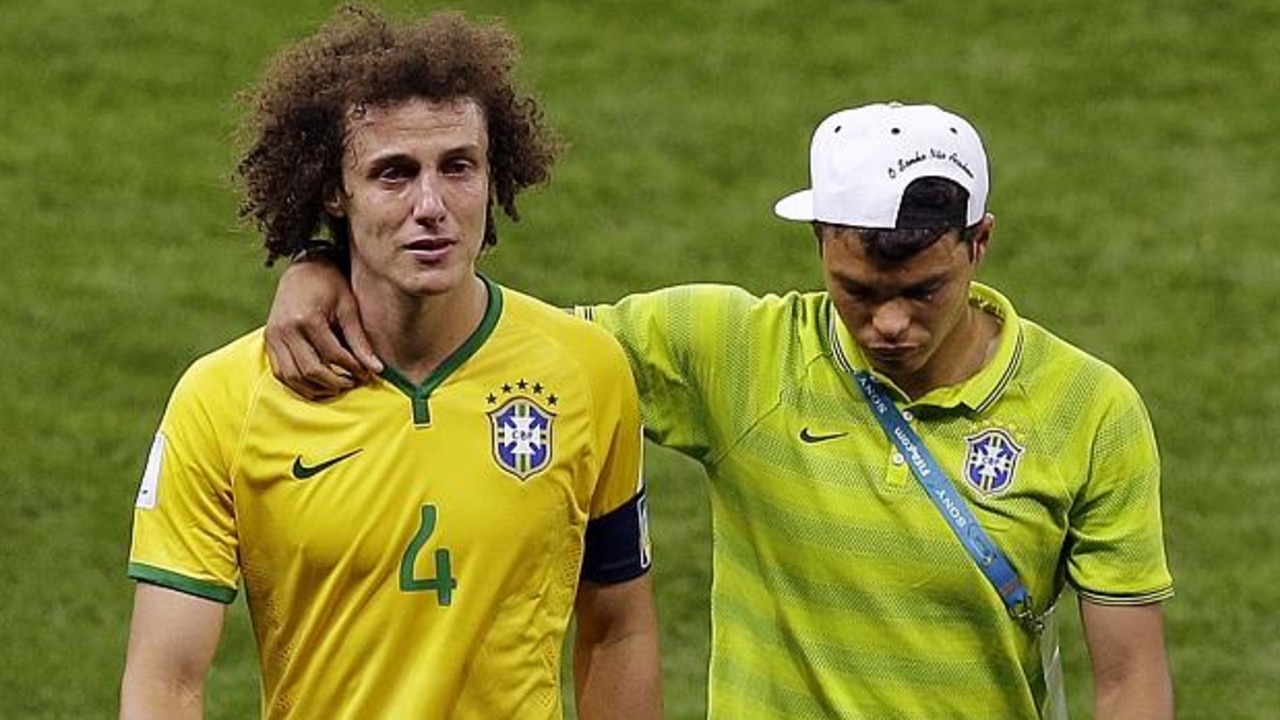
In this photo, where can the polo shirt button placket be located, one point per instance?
(901, 473)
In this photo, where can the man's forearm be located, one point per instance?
(1131, 679)
(1145, 695)
(152, 699)
(618, 679)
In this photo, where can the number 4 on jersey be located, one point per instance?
(443, 583)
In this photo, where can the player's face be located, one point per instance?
(415, 179)
(908, 317)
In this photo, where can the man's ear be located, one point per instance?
(818, 235)
(982, 238)
(335, 201)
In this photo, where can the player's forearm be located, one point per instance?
(617, 679)
(157, 699)
(1131, 679)
(172, 639)
(1147, 694)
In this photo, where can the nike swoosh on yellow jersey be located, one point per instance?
(302, 472)
(806, 436)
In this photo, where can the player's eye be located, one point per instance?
(922, 292)
(860, 293)
(392, 173)
(457, 166)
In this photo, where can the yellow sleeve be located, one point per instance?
(617, 433)
(617, 546)
(184, 527)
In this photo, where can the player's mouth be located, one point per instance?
(890, 355)
(430, 250)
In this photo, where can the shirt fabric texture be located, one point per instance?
(838, 589)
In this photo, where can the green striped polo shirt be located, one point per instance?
(838, 590)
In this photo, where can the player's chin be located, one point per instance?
(896, 360)
(435, 280)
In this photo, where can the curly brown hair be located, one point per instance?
(297, 124)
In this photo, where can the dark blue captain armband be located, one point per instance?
(617, 544)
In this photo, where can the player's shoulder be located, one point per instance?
(579, 352)
(560, 333)
(245, 353)
(1054, 361)
(229, 371)
(718, 301)
(559, 325)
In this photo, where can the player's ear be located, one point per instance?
(335, 200)
(981, 238)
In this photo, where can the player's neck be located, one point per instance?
(415, 335)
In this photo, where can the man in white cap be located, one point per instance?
(904, 474)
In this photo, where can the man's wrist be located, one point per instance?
(316, 249)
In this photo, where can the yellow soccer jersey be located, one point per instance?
(838, 590)
(406, 552)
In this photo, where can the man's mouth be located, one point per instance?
(429, 249)
(890, 354)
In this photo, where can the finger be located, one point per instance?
(279, 358)
(317, 377)
(285, 367)
(321, 354)
(313, 383)
(352, 330)
(286, 371)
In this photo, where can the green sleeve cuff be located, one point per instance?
(182, 583)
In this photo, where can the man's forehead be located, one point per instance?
(372, 129)
(848, 257)
(363, 113)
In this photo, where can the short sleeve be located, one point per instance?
(184, 535)
(1115, 552)
(617, 546)
(677, 341)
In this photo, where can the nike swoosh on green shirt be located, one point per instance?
(806, 436)
(302, 472)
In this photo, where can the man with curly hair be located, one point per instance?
(415, 548)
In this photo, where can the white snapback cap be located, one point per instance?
(861, 161)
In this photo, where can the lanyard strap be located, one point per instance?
(950, 504)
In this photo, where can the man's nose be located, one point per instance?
(891, 320)
(428, 205)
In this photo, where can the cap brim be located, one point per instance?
(796, 206)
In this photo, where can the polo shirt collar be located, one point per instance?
(978, 392)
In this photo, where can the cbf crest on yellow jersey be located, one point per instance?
(405, 550)
(522, 435)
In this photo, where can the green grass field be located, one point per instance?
(1134, 147)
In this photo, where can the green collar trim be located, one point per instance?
(978, 392)
(419, 394)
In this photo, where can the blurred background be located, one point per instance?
(1135, 182)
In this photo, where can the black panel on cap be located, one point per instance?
(933, 202)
